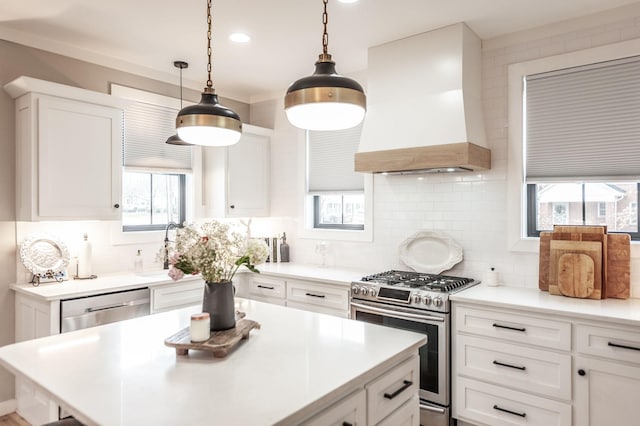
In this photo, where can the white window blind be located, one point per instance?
(584, 123)
(146, 128)
(330, 160)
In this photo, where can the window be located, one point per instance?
(581, 132)
(151, 200)
(337, 191)
(156, 175)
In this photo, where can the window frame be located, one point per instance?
(182, 213)
(532, 213)
(342, 226)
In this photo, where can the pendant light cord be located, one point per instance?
(325, 34)
(181, 87)
(209, 51)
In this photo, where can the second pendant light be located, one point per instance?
(325, 100)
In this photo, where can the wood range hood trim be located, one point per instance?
(464, 156)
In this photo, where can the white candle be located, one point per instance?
(199, 328)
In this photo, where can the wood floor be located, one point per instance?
(13, 419)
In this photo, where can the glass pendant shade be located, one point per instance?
(325, 100)
(209, 123)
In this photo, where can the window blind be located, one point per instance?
(146, 128)
(330, 160)
(583, 123)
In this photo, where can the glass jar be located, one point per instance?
(199, 327)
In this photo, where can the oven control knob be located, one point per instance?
(416, 298)
(372, 292)
(355, 290)
(426, 300)
(437, 302)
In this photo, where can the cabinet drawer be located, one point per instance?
(494, 405)
(177, 295)
(514, 327)
(351, 410)
(527, 369)
(267, 287)
(392, 389)
(621, 345)
(406, 415)
(318, 294)
(318, 309)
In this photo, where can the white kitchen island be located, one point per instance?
(298, 366)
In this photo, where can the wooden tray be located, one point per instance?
(219, 343)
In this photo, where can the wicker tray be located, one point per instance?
(219, 343)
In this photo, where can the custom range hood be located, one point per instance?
(424, 110)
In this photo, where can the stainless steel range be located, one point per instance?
(418, 302)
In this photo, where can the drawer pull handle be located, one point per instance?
(515, 413)
(615, 345)
(581, 372)
(266, 287)
(509, 328)
(406, 385)
(347, 424)
(522, 368)
(321, 296)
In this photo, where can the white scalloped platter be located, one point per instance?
(42, 253)
(430, 252)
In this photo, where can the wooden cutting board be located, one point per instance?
(543, 265)
(619, 266)
(592, 285)
(576, 275)
(581, 229)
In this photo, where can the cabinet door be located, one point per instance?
(606, 392)
(248, 177)
(351, 410)
(79, 160)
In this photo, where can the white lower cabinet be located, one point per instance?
(175, 296)
(314, 296)
(390, 399)
(493, 405)
(512, 367)
(607, 376)
(352, 410)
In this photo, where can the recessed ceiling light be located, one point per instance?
(239, 38)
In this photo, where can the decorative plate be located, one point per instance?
(430, 252)
(44, 255)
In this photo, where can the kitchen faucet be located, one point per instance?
(170, 225)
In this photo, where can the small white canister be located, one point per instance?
(199, 327)
(491, 278)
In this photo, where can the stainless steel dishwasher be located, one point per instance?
(90, 311)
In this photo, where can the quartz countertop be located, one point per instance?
(623, 311)
(295, 364)
(119, 282)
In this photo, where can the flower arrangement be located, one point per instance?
(215, 252)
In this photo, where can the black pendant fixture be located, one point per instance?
(325, 100)
(209, 123)
(175, 139)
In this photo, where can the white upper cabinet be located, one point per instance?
(236, 178)
(68, 152)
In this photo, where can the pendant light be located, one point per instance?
(209, 123)
(325, 100)
(175, 139)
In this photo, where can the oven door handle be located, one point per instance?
(431, 408)
(397, 314)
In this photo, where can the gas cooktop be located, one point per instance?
(419, 290)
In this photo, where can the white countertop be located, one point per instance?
(123, 374)
(625, 311)
(118, 282)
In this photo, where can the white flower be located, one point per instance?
(214, 251)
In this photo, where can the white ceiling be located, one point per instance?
(146, 36)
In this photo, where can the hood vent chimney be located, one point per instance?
(424, 105)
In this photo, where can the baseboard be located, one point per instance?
(8, 407)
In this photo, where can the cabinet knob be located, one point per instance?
(116, 205)
(581, 372)
(233, 206)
